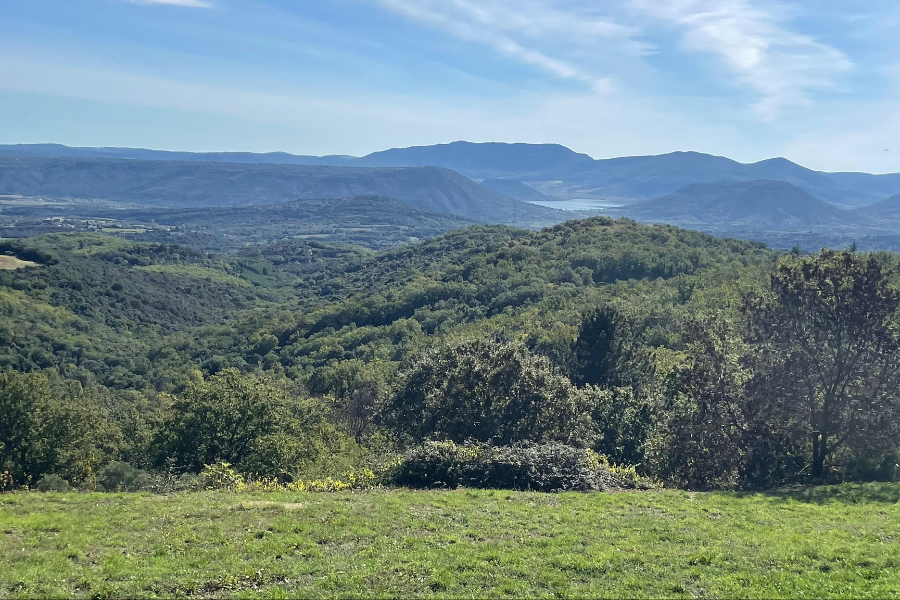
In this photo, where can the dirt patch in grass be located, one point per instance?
(259, 504)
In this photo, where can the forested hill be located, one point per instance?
(133, 315)
(699, 361)
(198, 184)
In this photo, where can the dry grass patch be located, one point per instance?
(11, 263)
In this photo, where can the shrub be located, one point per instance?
(261, 423)
(53, 483)
(220, 476)
(487, 390)
(549, 467)
(435, 464)
(50, 427)
(122, 477)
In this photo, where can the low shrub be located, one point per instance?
(549, 467)
(7, 483)
(220, 476)
(53, 483)
(435, 464)
(122, 477)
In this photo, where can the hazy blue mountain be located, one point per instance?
(877, 185)
(487, 160)
(747, 205)
(512, 188)
(651, 176)
(60, 151)
(886, 209)
(551, 169)
(199, 184)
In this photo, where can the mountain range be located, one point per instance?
(180, 184)
(427, 190)
(552, 169)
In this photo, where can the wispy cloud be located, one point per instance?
(185, 3)
(753, 40)
(553, 35)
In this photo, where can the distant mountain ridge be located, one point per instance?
(274, 158)
(552, 169)
(888, 208)
(484, 160)
(750, 205)
(205, 184)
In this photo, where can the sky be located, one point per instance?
(815, 81)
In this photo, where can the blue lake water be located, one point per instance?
(577, 204)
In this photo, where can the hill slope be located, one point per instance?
(198, 184)
(886, 209)
(137, 315)
(512, 188)
(744, 205)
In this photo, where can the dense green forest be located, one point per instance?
(594, 353)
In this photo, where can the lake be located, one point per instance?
(577, 204)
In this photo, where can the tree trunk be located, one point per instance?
(818, 462)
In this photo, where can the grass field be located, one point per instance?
(10, 263)
(826, 542)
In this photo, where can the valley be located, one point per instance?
(429, 299)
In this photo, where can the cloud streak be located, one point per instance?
(184, 3)
(752, 40)
(550, 35)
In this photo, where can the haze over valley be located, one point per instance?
(776, 200)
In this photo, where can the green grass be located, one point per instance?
(828, 542)
(196, 272)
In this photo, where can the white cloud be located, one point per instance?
(780, 65)
(185, 3)
(555, 36)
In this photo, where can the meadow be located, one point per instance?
(11, 262)
(839, 541)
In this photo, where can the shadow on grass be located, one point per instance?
(845, 493)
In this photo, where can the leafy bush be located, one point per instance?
(259, 422)
(549, 467)
(490, 391)
(552, 467)
(53, 483)
(51, 426)
(220, 476)
(122, 477)
(435, 464)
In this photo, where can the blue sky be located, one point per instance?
(816, 81)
